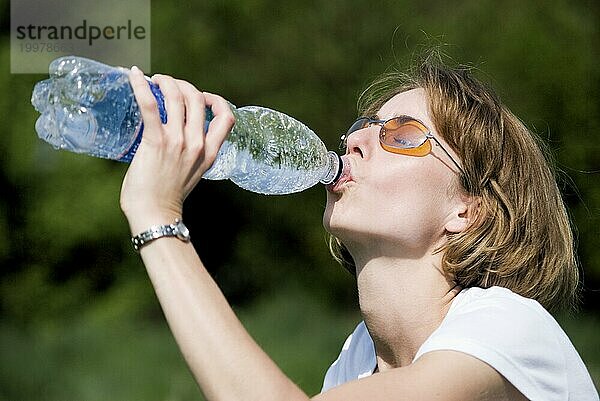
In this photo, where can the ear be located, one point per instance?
(464, 212)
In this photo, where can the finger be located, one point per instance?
(145, 100)
(220, 126)
(174, 102)
(194, 113)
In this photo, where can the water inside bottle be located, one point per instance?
(270, 152)
(261, 178)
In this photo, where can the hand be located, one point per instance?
(172, 157)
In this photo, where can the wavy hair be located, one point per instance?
(521, 237)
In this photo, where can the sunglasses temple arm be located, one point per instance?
(448, 154)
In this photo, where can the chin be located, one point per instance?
(339, 222)
(343, 217)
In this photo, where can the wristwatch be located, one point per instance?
(178, 229)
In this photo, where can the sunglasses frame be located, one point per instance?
(420, 150)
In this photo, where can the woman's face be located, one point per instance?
(393, 204)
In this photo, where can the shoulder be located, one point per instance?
(514, 335)
(479, 313)
(475, 298)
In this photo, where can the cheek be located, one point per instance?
(399, 208)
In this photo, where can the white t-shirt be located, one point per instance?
(513, 334)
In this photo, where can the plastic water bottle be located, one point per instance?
(89, 107)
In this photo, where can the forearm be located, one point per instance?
(224, 359)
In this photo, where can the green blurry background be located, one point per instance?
(78, 318)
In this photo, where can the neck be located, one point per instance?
(402, 302)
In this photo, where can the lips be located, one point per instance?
(345, 177)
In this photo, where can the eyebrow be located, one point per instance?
(394, 116)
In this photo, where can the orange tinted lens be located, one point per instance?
(402, 133)
(422, 150)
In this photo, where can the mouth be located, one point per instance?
(345, 177)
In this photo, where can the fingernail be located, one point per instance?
(135, 69)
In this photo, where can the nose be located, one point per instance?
(361, 141)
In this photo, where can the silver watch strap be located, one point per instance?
(178, 229)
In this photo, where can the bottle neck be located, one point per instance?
(335, 166)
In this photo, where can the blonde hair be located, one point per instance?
(521, 238)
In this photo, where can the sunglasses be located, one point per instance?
(402, 135)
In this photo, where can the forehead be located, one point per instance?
(412, 103)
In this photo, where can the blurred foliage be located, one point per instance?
(64, 244)
(109, 353)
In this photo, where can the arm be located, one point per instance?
(225, 361)
(436, 376)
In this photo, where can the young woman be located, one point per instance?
(446, 212)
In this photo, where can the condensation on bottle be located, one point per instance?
(89, 107)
